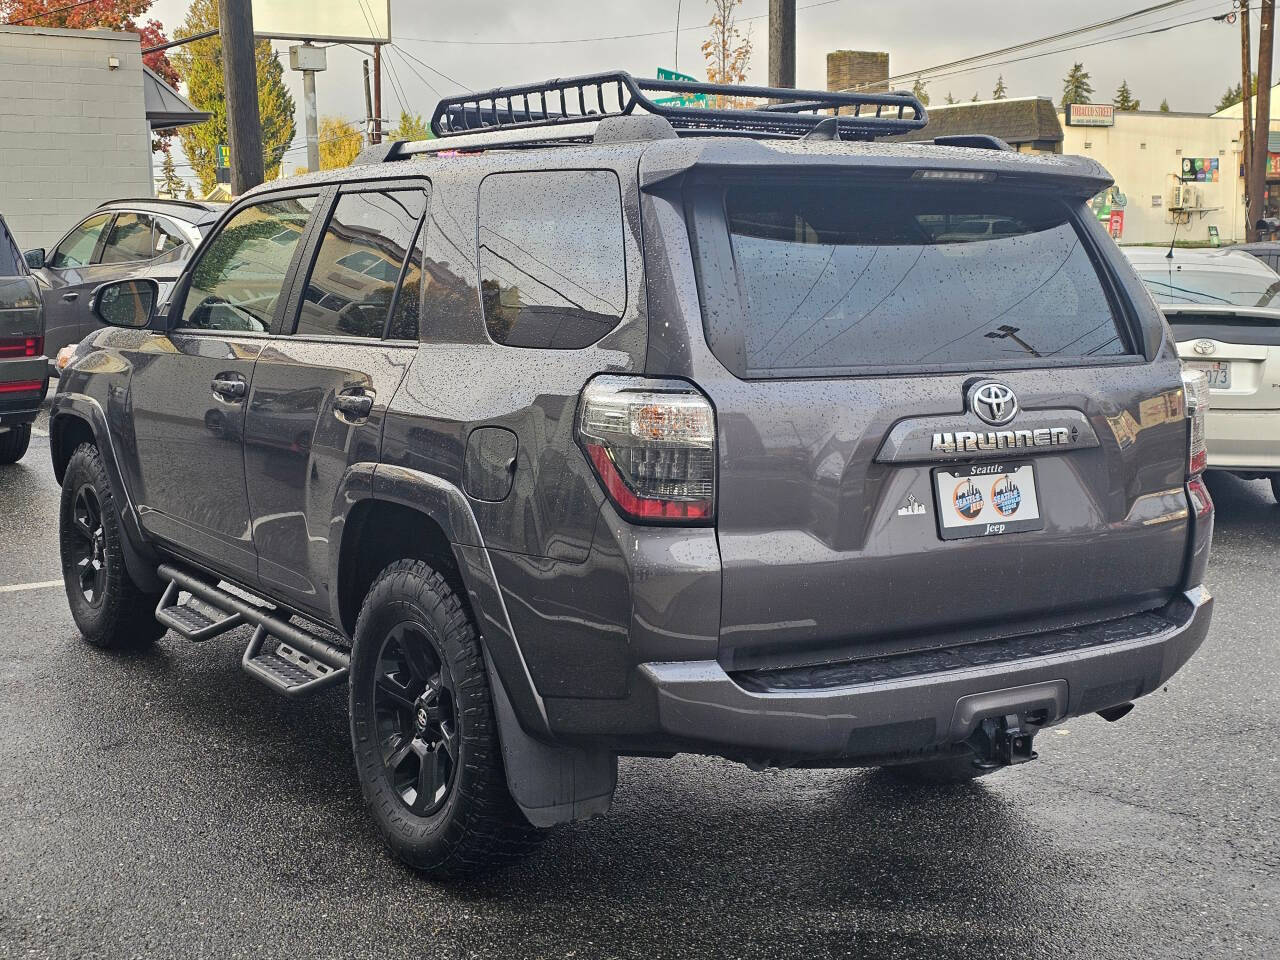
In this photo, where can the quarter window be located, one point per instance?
(352, 286)
(77, 247)
(552, 262)
(129, 240)
(239, 276)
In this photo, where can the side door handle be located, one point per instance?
(230, 387)
(70, 297)
(354, 404)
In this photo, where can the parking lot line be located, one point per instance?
(19, 587)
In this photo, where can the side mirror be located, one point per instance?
(34, 258)
(125, 303)
(1269, 224)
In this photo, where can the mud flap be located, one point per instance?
(550, 784)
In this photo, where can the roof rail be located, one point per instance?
(978, 141)
(196, 204)
(785, 113)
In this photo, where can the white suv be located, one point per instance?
(1224, 309)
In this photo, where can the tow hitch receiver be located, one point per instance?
(1001, 741)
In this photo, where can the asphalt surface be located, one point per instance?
(168, 805)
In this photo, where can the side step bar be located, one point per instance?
(300, 664)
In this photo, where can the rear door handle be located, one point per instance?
(355, 404)
(230, 387)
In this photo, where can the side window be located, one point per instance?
(240, 273)
(552, 263)
(129, 240)
(167, 241)
(11, 262)
(353, 280)
(77, 248)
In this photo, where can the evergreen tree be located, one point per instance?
(200, 65)
(1001, 91)
(975, 97)
(918, 88)
(950, 98)
(1123, 99)
(1164, 106)
(1076, 87)
(170, 182)
(1235, 94)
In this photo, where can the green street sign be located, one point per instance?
(682, 99)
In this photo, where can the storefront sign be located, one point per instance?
(1201, 169)
(1091, 115)
(1273, 165)
(1115, 223)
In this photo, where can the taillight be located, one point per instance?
(21, 386)
(653, 445)
(15, 347)
(1201, 502)
(1196, 386)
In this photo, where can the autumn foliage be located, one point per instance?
(95, 15)
(727, 51)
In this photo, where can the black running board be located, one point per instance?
(300, 664)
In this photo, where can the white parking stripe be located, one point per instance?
(42, 585)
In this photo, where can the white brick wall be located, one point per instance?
(73, 132)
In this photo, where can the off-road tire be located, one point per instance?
(479, 826)
(938, 772)
(14, 443)
(124, 616)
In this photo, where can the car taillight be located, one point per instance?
(21, 386)
(1201, 502)
(15, 347)
(1196, 386)
(653, 445)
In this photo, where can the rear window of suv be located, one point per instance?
(834, 277)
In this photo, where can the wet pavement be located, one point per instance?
(166, 804)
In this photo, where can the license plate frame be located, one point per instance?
(1211, 367)
(996, 511)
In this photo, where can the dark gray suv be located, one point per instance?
(602, 426)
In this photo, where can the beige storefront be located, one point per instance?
(1172, 171)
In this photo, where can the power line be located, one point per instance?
(617, 36)
(1079, 46)
(1064, 35)
(410, 67)
(405, 53)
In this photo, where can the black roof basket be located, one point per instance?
(691, 108)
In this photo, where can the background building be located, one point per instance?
(77, 112)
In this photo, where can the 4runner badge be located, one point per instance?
(912, 508)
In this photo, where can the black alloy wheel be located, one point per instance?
(415, 712)
(88, 545)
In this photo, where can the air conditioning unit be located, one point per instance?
(1185, 196)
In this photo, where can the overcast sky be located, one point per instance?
(1189, 65)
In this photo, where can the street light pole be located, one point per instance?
(240, 76)
(309, 60)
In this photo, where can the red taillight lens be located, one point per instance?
(653, 445)
(1201, 502)
(22, 386)
(16, 347)
(1196, 387)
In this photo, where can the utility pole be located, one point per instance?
(782, 43)
(1262, 119)
(377, 93)
(309, 60)
(1246, 88)
(240, 75)
(368, 107)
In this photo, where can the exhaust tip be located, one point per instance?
(1112, 714)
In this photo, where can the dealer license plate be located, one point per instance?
(987, 499)
(1218, 372)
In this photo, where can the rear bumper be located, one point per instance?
(870, 709)
(1243, 439)
(17, 408)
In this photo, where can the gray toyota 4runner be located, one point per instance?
(601, 426)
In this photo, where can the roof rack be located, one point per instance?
(194, 204)
(691, 108)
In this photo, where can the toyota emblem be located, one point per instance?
(993, 402)
(1204, 347)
